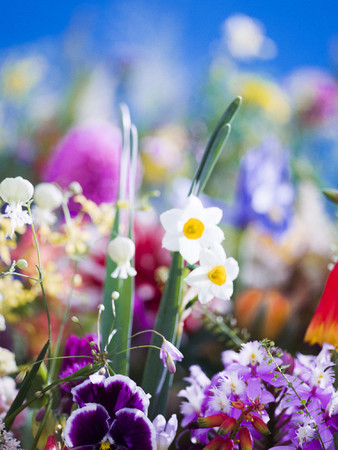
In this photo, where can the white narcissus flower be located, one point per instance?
(121, 250)
(214, 277)
(16, 192)
(191, 228)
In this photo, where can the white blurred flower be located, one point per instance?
(306, 431)
(8, 393)
(47, 197)
(245, 38)
(165, 432)
(121, 250)
(7, 362)
(214, 277)
(2, 321)
(191, 228)
(16, 192)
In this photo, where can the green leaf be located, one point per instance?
(23, 391)
(202, 174)
(331, 194)
(156, 377)
(122, 322)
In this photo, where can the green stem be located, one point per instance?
(290, 385)
(63, 324)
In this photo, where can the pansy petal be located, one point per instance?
(113, 393)
(86, 426)
(190, 249)
(133, 430)
(231, 267)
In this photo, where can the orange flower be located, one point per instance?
(324, 324)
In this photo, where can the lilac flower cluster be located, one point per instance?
(250, 404)
(112, 413)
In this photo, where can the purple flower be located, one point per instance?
(91, 427)
(169, 353)
(114, 393)
(77, 355)
(89, 154)
(111, 411)
(264, 193)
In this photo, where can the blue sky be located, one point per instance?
(304, 30)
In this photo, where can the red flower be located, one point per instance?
(324, 324)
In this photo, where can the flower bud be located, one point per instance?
(228, 425)
(259, 425)
(237, 404)
(75, 319)
(47, 196)
(75, 188)
(245, 440)
(219, 443)
(22, 264)
(212, 421)
(115, 295)
(40, 414)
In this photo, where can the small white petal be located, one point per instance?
(231, 267)
(190, 249)
(197, 277)
(169, 219)
(213, 215)
(171, 242)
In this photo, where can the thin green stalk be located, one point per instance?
(266, 344)
(42, 424)
(63, 324)
(39, 267)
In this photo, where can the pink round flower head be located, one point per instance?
(89, 154)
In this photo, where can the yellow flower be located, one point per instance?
(268, 96)
(13, 294)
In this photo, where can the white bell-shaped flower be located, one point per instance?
(121, 250)
(47, 196)
(16, 190)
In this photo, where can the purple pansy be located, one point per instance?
(91, 427)
(114, 393)
(112, 414)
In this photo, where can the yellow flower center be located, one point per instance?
(105, 446)
(193, 229)
(218, 275)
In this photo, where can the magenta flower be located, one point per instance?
(89, 154)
